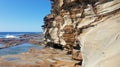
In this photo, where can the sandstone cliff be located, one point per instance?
(93, 24)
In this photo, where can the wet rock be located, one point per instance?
(38, 58)
(27, 38)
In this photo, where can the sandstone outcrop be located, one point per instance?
(93, 24)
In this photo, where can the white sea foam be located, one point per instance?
(10, 36)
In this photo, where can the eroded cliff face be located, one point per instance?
(93, 24)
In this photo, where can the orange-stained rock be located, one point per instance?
(68, 35)
(62, 64)
(77, 56)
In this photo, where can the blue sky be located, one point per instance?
(23, 15)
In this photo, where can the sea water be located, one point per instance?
(1, 45)
(19, 48)
(15, 34)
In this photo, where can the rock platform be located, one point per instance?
(46, 57)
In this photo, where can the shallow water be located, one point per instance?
(11, 59)
(1, 45)
(18, 49)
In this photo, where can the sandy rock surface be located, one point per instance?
(38, 58)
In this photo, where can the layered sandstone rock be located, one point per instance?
(93, 24)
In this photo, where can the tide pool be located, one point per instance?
(18, 49)
(1, 45)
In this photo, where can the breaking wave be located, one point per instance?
(10, 36)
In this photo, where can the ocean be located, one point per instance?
(19, 48)
(16, 34)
